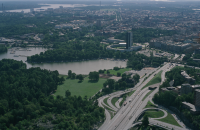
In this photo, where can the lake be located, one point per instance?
(82, 67)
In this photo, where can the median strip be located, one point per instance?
(147, 95)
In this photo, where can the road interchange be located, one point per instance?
(125, 115)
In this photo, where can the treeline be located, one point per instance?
(71, 51)
(111, 85)
(139, 61)
(25, 102)
(3, 48)
(188, 58)
(142, 35)
(93, 50)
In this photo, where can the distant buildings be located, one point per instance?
(119, 44)
(98, 23)
(169, 45)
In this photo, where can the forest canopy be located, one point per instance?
(26, 101)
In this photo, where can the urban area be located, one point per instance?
(99, 65)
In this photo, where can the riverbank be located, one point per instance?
(112, 59)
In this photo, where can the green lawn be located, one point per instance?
(154, 114)
(84, 88)
(156, 79)
(114, 100)
(150, 105)
(114, 72)
(107, 108)
(105, 101)
(147, 95)
(169, 119)
(120, 104)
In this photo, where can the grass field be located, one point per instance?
(150, 105)
(154, 114)
(108, 108)
(105, 101)
(114, 100)
(156, 79)
(84, 88)
(114, 72)
(170, 119)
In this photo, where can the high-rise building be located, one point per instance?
(197, 98)
(129, 40)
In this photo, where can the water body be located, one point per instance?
(46, 6)
(83, 67)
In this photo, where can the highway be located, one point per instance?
(127, 114)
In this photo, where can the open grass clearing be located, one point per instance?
(150, 105)
(156, 79)
(122, 70)
(154, 113)
(114, 100)
(105, 101)
(107, 108)
(85, 88)
(169, 119)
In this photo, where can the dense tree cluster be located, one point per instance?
(188, 58)
(3, 48)
(25, 102)
(142, 35)
(172, 99)
(175, 74)
(94, 76)
(139, 61)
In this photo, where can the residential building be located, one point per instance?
(197, 98)
(186, 89)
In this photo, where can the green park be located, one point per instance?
(85, 88)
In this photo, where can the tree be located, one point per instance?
(118, 74)
(73, 76)
(136, 77)
(124, 76)
(80, 77)
(62, 79)
(145, 121)
(69, 73)
(94, 76)
(67, 93)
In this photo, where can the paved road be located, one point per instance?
(133, 108)
(127, 114)
(117, 103)
(104, 126)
